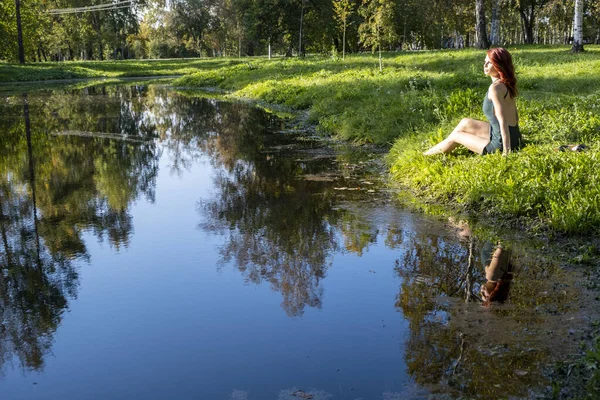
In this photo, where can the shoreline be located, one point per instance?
(415, 101)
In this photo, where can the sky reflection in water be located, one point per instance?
(159, 246)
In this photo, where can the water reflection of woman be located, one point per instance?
(498, 274)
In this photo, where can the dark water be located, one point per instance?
(160, 246)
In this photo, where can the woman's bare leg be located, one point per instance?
(470, 133)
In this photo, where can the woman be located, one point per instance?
(501, 133)
(498, 274)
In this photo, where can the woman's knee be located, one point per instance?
(466, 124)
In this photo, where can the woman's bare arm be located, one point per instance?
(500, 109)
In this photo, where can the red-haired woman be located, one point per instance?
(501, 133)
(499, 276)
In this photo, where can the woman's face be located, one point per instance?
(486, 289)
(484, 293)
(488, 67)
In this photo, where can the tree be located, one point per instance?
(191, 18)
(527, 10)
(264, 24)
(482, 39)
(495, 29)
(578, 27)
(342, 10)
(378, 28)
(300, 52)
(20, 33)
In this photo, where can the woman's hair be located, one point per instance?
(502, 61)
(501, 288)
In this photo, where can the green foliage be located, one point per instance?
(192, 28)
(342, 9)
(378, 28)
(592, 363)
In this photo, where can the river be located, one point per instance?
(160, 245)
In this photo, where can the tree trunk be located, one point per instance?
(239, 40)
(578, 28)
(20, 33)
(32, 176)
(344, 41)
(4, 235)
(482, 39)
(495, 30)
(528, 18)
(404, 40)
(300, 38)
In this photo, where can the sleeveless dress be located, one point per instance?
(495, 143)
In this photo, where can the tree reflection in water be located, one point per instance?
(56, 184)
(278, 227)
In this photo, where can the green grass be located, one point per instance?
(416, 101)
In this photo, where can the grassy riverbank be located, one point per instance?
(415, 101)
(419, 98)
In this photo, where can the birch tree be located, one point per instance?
(578, 27)
(378, 28)
(342, 10)
(495, 29)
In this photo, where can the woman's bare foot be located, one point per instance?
(433, 151)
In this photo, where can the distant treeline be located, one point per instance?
(56, 30)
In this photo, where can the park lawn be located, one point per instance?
(415, 101)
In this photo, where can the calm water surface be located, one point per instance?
(160, 246)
